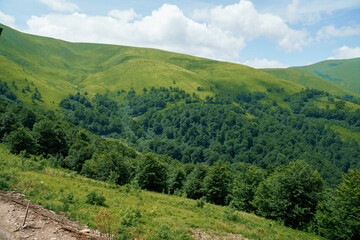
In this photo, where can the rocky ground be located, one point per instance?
(200, 234)
(43, 224)
(40, 223)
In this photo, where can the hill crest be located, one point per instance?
(57, 68)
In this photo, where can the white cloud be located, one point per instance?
(296, 13)
(292, 11)
(346, 52)
(7, 19)
(312, 11)
(243, 20)
(166, 28)
(60, 5)
(330, 31)
(124, 16)
(264, 63)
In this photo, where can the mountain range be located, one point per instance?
(57, 68)
(99, 131)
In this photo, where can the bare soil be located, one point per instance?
(41, 224)
(200, 234)
(44, 224)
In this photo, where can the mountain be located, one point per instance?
(216, 132)
(310, 80)
(344, 73)
(57, 68)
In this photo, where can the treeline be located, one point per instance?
(293, 194)
(28, 132)
(171, 122)
(301, 103)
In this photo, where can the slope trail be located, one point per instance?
(42, 223)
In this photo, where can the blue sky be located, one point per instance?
(258, 33)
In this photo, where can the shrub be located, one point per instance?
(4, 181)
(131, 217)
(4, 185)
(19, 140)
(68, 198)
(123, 233)
(229, 214)
(105, 223)
(95, 199)
(200, 203)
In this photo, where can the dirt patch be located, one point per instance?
(41, 223)
(200, 234)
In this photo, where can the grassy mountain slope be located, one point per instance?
(152, 215)
(344, 73)
(57, 68)
(309, 80)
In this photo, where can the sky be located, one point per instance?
(258, 33)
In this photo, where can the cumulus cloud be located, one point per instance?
(166, 28)
(330, 31)
(60, 5)
(243, 20)
(264, 63)
(7, 19)
(346, 52)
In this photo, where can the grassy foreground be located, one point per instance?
(146, 214)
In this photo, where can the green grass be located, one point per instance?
(159, 212)
(310, 80)
(58, 68)
(346, 133)
(344, 73)
(323, 103)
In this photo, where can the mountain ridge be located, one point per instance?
(309, 80)
(342, 72)
(59, 67)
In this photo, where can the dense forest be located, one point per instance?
(249, 154)
(171, 122)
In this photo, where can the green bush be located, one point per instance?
(4, 185)
(200, 203)
(229, 214)
(123, 233)
(131, 217)
(95, 199)
(4, 182)
(33, 164)
(19, 140)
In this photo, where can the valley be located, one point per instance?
(161, 145)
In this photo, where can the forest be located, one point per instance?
(283, 163)
(171, 122)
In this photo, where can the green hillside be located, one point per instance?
(344, 73)
(57, 68)
(310, 80)
(132, 124)
(138, 213)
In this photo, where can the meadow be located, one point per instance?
(133, 211)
